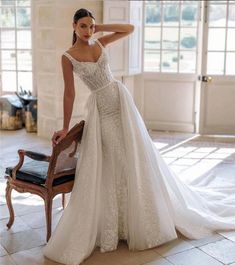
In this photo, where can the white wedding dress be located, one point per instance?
(123, 189)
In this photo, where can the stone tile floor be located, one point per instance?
(188, 155)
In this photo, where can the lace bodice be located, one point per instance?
(95, 75)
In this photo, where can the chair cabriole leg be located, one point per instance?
(48, 211)
(9, 205)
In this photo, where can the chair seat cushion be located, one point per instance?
(36, 172)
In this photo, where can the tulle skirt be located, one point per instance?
(124, 190)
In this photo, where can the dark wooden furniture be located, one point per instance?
(44, 175)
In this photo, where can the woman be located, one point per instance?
(123, 189)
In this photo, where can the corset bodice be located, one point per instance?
(94, 74)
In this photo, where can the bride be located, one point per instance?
(123, 189)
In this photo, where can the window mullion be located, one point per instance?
(179, 35)
(161, 30)
(226, 39)
(16, 52)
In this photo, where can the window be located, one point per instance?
(170, 36)
(15, 46)
(221, 38)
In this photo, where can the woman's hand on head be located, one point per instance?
(97, 29)
(58, 136)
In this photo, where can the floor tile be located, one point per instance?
(43, 233)
(3, 252)
(25, 207)
(34, 220)
(160, 261)
(122, 256)
(173, 247)
(18, 225)
(229, 235)
(21, 241)
(4, 211)
(32, 256)
(7, 260)
(223, 250)
(192, 257)
(206, 240)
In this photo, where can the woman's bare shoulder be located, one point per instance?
(71, 50)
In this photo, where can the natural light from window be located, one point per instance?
(15, 46)
(171, 36)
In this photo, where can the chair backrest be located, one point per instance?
(65, 154)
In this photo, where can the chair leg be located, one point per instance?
(63, 200)
(48, 211)
(9, 204)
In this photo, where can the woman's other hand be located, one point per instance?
(58, 136)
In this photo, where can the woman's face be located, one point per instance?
(84, 28)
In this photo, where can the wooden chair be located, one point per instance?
(45, 175)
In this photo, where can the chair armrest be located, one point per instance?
(36, 156)
(30, 154)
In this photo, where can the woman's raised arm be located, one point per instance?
(119, 31)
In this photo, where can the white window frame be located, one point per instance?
(176, 50)
(16, 29)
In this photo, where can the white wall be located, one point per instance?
(52, 35)
(166, 102)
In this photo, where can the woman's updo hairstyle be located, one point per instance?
(80, 13)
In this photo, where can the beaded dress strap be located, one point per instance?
(68, 56)
(99, 43)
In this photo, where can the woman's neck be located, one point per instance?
(79, 42)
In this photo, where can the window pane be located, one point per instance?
(169, 61)
(25, 81)
(23, 17)
(187, 62)
(7, 39)
(189, 15)
(152, 38)
(171, 14)
(7, 2)
(151, 1)
(231, 40)
(217, 15)
(23, 2)
(231, 16)
(216, 39)
(188, 38)
(218, 1)
(24, 39)
(8, 60)
(9, 81)
(153, 14)
(170, 38)
(7, 17)
(152, 61)
(168, 1)
(24, 60)
(189, 1)
(215, 63)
